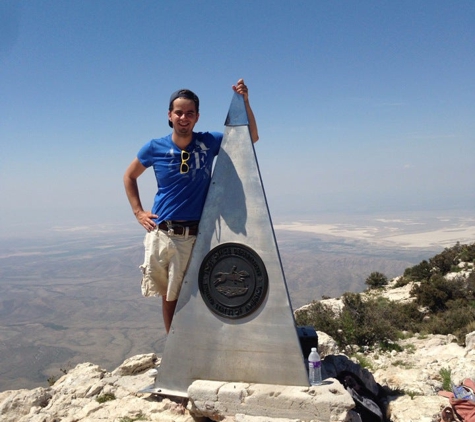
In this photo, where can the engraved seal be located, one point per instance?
(233, 280)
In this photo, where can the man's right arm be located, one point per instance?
(135, 169)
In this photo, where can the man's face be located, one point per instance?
(183, 116)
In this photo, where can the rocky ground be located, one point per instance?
(416, 372)
(88, 393)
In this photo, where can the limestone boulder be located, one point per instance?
(137, 364)
(327, 346)
(470, 341)
(218, 400)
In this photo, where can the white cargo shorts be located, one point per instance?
(166, 260)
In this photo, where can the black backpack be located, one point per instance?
(369, 406)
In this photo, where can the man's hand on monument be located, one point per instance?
(241, 88)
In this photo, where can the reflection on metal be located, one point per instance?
(237, 115)
(233, 320)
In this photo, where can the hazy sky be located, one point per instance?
(361, 105)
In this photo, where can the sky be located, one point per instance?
(362, 106)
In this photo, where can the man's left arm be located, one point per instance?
(241, 88)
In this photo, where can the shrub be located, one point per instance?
(402, 281)
(456, 320)
(467, 254)
(376, 280)
(363, 361)
(441, 263)
(367, 323)
(446, 375)
(471, 284)
(139, 417)
(449, 306)
(418, 272)
(376, 321)
(320, 317)
(437, 292)
(406, 316)
(444, 261)
(51, 380)
(105, 397)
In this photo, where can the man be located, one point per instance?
(182, 162)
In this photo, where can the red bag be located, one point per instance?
(463, 408)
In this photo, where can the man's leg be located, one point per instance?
(179, 254)
(168, 309)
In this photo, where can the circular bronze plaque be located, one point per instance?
(233, 280)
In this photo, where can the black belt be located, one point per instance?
(179, 227)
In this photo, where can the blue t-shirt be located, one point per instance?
(181, 196)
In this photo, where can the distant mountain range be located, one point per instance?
(75, 298)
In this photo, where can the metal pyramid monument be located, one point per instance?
(233, 320)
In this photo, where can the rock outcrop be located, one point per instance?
(89, 393)
(411, 377)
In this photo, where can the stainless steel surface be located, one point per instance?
(151, 389)
(237, 115)
(262, 347)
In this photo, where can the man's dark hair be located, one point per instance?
(185, 93)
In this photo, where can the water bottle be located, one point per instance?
(460, 392)
(314, 367)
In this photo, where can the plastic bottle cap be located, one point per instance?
(314, 349)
